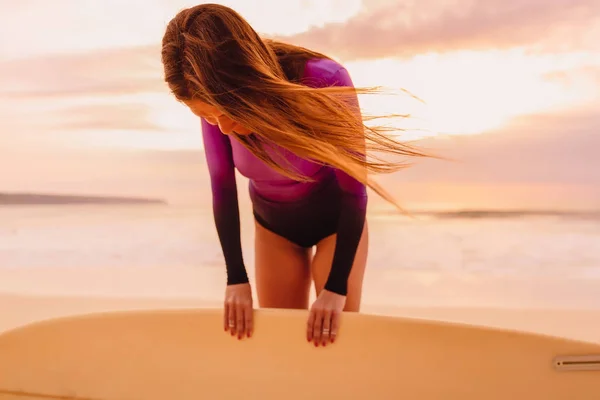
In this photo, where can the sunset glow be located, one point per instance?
(87, 74)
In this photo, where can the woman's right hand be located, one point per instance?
(238, 315)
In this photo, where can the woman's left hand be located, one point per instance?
(324, 317)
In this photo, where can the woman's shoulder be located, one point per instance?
(323, 69)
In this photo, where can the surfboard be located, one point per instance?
(185, 354)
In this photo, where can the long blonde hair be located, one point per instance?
(210, 53)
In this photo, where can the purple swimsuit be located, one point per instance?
(302, 212)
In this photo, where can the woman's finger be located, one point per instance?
(310, 325)
(226, 317)
(318, 327)
(231, 319)
(326, 327)
(239, 324)
(249, 320)
(335, 325)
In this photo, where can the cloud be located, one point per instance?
(406, 28)
(44, 27)
(112, 48)
(41, 27)
(105, 117)
(549, 148)
(69, 116)
(590, 74)
(381, 29)
(102, 72)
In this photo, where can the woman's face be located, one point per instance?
(214, 116)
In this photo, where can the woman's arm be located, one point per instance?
(352, 217)
(219, 158)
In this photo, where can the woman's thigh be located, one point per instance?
(282, 271)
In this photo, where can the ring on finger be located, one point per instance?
(231, 323)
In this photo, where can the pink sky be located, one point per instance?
(512, 86)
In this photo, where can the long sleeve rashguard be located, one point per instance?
(224, 155)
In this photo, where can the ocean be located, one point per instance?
(492, 259)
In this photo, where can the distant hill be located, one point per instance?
(497, 214)
(57, 199)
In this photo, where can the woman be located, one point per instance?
(288, 119)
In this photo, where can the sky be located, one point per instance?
(511, 88)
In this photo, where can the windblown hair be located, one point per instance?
(210, 53)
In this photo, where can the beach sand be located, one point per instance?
(30, 295)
